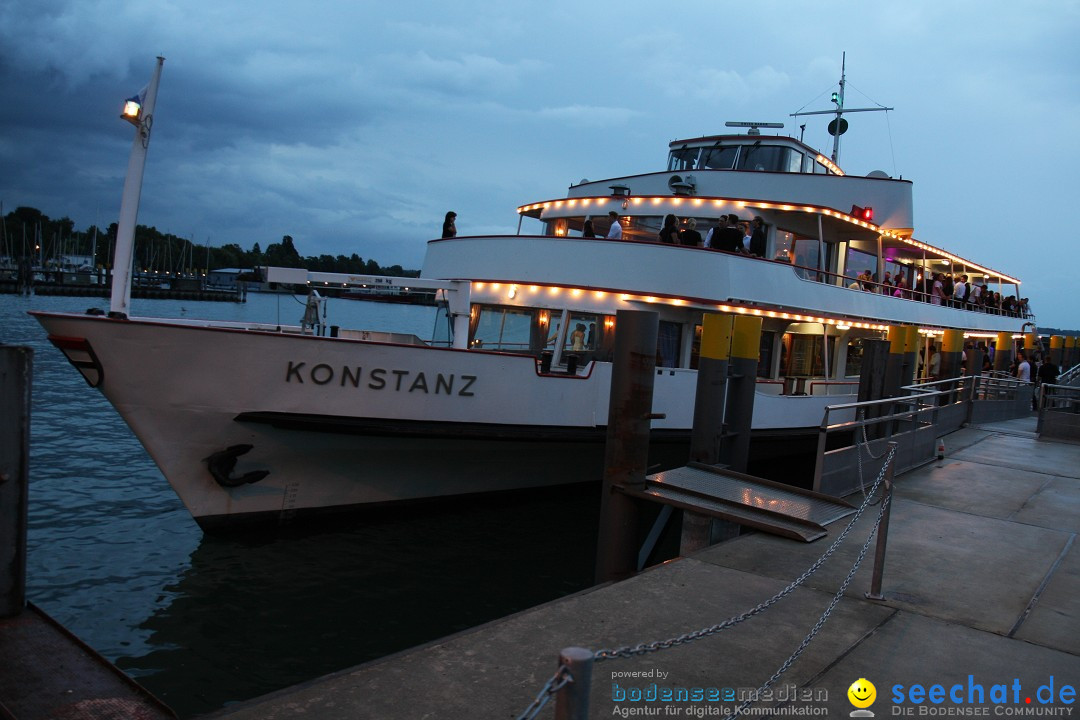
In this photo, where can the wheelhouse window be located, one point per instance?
(770, 158)
(719, 158)
(683, 159)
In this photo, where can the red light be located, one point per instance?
(862, 213)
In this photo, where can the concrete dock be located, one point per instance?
(982, 598)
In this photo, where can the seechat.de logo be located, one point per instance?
(862, 695)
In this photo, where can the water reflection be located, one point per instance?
(252, 615)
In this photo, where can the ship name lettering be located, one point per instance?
(397, 380)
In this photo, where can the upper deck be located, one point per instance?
(748, 169)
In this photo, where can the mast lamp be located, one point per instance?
(836, 98)
(132, 111)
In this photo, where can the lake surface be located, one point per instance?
(203, 621)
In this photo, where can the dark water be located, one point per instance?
(203, 621)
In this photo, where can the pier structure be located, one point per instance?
(979, 589)
(45, 672)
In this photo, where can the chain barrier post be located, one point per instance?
(883, 527)
(572, 700)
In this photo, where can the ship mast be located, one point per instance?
(838, 98)
(139, 111)
(838, 126)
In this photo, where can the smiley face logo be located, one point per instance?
(862, 693)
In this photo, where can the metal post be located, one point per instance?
(1057, 349)
(572, 701)
(883, 528)
(894, 371)
(16, 364)
(911, 356)
(739, 413)
(1003, 352)
(626, 452)
(952, 349)
(705, 436)
(872, 380)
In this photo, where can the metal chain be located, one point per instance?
(866, 441)
(824, 616)
(554, 684)
(644, 648)
(858, 452)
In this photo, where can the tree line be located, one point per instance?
(29, 233)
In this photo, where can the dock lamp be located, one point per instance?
(132, 111)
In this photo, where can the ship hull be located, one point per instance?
(267, 426)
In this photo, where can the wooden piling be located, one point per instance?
(626, 453)
(16, 365)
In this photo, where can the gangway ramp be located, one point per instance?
(766, 505)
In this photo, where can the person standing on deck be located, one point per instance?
(690, 236)
(757, 237)
(449, 229)
(730, 237)
(1023, 368)
(615, 231)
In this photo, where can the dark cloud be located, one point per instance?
(355, 127)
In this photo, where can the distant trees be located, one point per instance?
(27, 232)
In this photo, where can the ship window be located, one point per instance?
(683, 159)
(765, 354)
(505, 328)
(771, 158)
(794, 161)
(695, 347)
(853, 366)
(857, 261)
(806, 256)
(805, 355)
(720, 158)
(581, 333)
(668, 341)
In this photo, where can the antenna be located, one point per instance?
(838, 126)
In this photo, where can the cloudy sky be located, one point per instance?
(354, 126)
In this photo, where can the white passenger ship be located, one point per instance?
(261, 422)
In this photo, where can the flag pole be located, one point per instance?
(120, 302)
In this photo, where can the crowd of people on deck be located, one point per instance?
(948, 290)
(731, 234)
